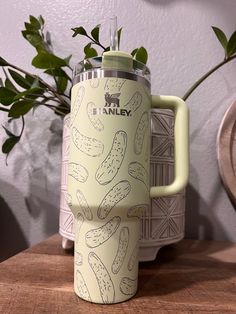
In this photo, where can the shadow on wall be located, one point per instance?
(197, 222)
(12, 238)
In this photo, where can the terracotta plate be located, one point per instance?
(226, 151)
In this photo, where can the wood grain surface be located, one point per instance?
(188, 277)
(226, 151)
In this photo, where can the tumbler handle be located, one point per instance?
(181, 147)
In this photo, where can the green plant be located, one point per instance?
(22, 92)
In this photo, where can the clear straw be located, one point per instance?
(113, 33)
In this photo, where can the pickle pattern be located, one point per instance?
(121, 251)
(114, 84)
(133, 260)
(82, 287)
(114, 196)
(78, 172)
(112, 163)
(77, 103)
(89, 146)
(68, 199)
(96, 237)
(137, 171)
(140, 133)
(96, 122)
(83, 204)
(137, 210)
(135, 102)
(78, 259)
(105, 284)
(128, 286)
(94, 83)
(79, 222)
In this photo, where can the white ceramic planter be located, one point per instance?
(163, 222)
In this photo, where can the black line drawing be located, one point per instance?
(114, 196)
(76, 103)
(105, 283)
(68, 199)
(83, 204)
(78, 258)
(114, 84)
(89, 146)
(121, 250)
(96, 237)
(96, 122)
(82, 287)
(113, 161)
(78, 224)
(78, 172)
(137, 210)
(140, 133)
(94, 83)
(128, 286)
(133, 260)
(137, 171)
(135, 102)
(112, 99)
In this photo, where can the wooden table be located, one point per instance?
(188, 277)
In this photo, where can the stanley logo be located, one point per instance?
(112, 107)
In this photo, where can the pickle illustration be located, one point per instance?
(112, 163)
(94, 83)
(84, 205)
(96, 122)
(114, 196)
(78, 259)
(78, 172)
(137, 171)
(137, 210)
(133, 257)
(82, 287)
(114, 84)
(128, 286)
(76, 103)
(79, 222)
(87, 145)
(121, 251)
(140, 133)
(105, 284)
(98, 236)
(135, 101)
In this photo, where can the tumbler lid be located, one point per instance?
(118, 60)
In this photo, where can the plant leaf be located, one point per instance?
(9, 144)
(134, 52)
(29, 79)
(41, 20)
(35, 40)
(19, 79)
(3, 62)
(20, 108)
(6, 96)
(34, 22)
(119, 36)
(67, 59)
(79, 31)
(89, 51)
(8, 132)
(141, 55)
(56, 72)
(46, 60)
(61, 84)
(221, 37)
(33, 92)
(95, 32)
(9, 85)
(231, 47)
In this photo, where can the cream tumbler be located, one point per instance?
(109, 171)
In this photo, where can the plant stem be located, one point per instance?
(62, 100)
(205, 76)
(23, 126)
(96, 42)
